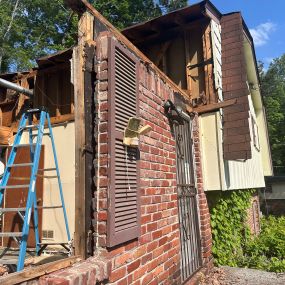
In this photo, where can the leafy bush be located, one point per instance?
(232, 243)
(267, 251)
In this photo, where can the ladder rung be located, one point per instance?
(52, 243)
(11, 234)
(15, 186)
(8, 261)
(36, 110)
(44, 134)
(20, 164)
(24, 145)
(5, 210)
(46, 169)
(49, 207)
(30, 127)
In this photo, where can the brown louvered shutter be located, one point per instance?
(124, 199)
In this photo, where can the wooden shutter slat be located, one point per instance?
(121, 89)
(125, 85)
(124, 202)
(121, 59)
(125, 98)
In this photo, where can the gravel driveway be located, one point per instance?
(242, 276)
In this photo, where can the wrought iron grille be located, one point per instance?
(187, 201)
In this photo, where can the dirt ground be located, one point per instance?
(242, 276)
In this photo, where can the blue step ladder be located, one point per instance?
(36, 131)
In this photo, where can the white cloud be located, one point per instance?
(261, 33)
(268, 60)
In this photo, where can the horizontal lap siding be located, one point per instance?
(235, 86)
(123, 214)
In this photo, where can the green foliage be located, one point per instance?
(170, 5)
(273, 91)
(228, 216)
(232, 243)
(30, 29)
(124, 13)
(267, 251)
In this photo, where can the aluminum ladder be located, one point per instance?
(36, 131)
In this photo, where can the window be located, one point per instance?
(255, 136)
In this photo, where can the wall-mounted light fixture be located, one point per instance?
(133, 131)
(171, 111)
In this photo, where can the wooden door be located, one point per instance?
(17, 198)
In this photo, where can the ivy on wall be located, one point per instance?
(228, 216)
(232, 243)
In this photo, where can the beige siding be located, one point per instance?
(259, 109)
(227, 175)
(65, 146)
(246, 174)
(212, 157)
(264, 143)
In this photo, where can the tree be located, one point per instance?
(273, 91)
(124, 13)
(170, 5)
(30, 29)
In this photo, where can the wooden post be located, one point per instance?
(85, 32)
(208, 68)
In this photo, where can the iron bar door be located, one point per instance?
(187, 200)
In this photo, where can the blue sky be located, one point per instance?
(266, 21)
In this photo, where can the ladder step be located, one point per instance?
(52, 243)
(6, 210)
(11, 234)
(28, 127)
(35, 110)
(15, 186)
(8, 261)
(50, 207)
(24, 145)
(20, 164)
(44, 134)
(46, 169)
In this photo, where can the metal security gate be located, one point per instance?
(187, 200)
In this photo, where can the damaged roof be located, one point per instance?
(55, 58)
(172, 20)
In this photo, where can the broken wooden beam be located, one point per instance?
(212, 107)
(38, 271)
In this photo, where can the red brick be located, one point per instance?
(133, 266)
(118, 274)
(102, 216)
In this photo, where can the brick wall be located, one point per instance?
(154, 258)
(236, 124)
(253, 214)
